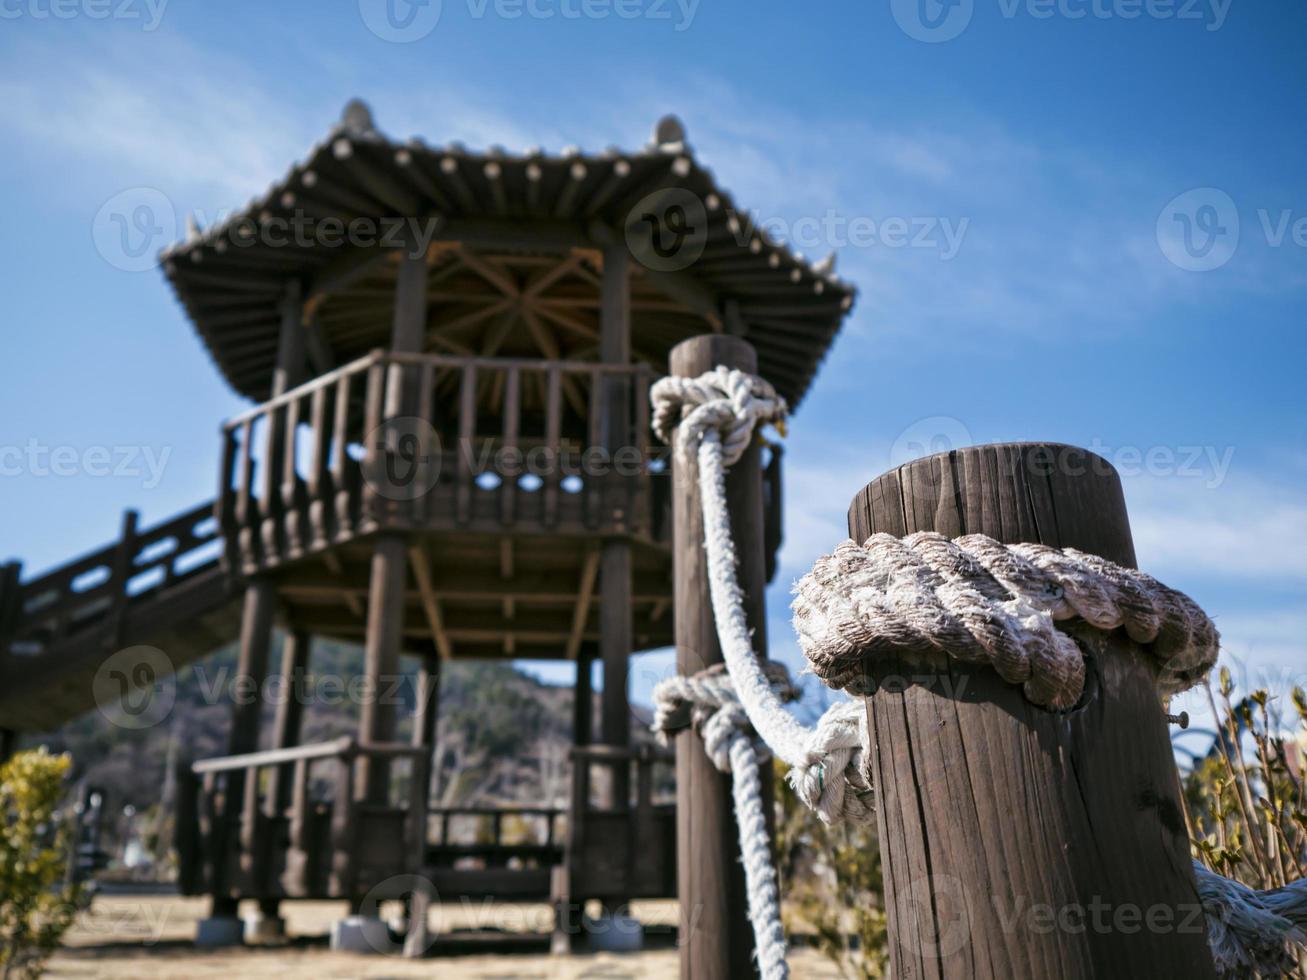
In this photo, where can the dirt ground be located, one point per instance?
(144, 937)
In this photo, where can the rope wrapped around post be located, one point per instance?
(972, 599)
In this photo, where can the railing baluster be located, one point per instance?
(318, 466)
(269, 482)
(296, 877)
(245, 478)
(376, 447)
(637, 485)
(290, 496)
(553, 441)
(225, 508)
(342, 828)
(119, 577)
(512, 425)
(340, 461)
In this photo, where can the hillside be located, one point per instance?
(503, 735)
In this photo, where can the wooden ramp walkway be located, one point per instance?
(162, 586)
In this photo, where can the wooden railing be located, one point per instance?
(427, 440)
(622, 848)
(280, 839)
(537, 841)
(96, 589)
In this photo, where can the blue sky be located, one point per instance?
(1037, 149)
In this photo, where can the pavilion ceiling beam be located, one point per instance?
(514, 233)
(492, 273)
(352, 601)
(550, 276)
(585, 592)
(435, 326)
(421, 564)
(345, 270)
(679, 286)
(568, 322)
(548, 345)
(494, 337)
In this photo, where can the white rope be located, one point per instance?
(713, 418)
(1253, 933)
(718, 413)
(976, 600)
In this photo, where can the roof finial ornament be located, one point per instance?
(826, 266)
(669, 134)
(357, 117)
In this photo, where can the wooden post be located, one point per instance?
(615, 619)
(286, 724)
(715, 936)
(251, 672)
(381, 653)
(583, 697)
(385, 629)
(123, 558)
(426, 712)
(1018, 842)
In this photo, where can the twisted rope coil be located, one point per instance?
(979, 601)
(1253, 933)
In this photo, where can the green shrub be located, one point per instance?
(36, 905)
(832, 886)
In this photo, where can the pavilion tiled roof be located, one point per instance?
(742, 279)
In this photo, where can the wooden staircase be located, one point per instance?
(162, 586)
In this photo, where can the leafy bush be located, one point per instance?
(35, 904)
(831, 881)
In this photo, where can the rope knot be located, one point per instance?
(725, 401)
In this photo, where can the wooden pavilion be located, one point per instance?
(449, 355)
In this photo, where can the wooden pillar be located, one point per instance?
(243, 737)
(716, 940)
(1019, 842)
(8, 744)
(288, 720)
(385, 628)
(289, 369)
(615, 618)
(385, 632)
(426, 712)
(252, 665)
(583, 697)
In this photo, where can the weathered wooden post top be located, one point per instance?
(1019, 841)
(448, 456)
